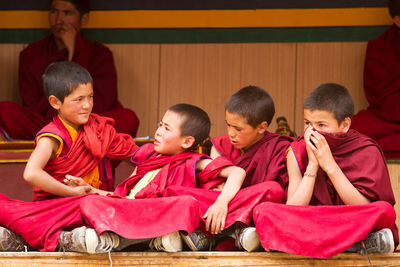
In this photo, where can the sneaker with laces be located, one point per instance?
(247, 239)
(104, 243)
(87, 240)
(197, 240)
(10, 241)
(168, 243)
(380, 242)
(73, 240)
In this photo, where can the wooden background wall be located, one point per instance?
(152, 77)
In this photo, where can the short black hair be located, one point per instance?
(331, 97)
(63, 77)
(195, 123)
(394, 8)
(83, 6)
(252, 103)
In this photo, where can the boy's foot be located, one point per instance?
(87, 240)
(379, 242)
(10, 241)
(197, 240)
(247, 239)
(168, 243)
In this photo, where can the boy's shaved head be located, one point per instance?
(331, 97)
(63, 77)
(252, 103)
(195, 122)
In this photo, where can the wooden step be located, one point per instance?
(154, 259)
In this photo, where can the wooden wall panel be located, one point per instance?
(204, 75)
(272, 67)
(9, 61)
(138, 82)
(394, 171)
(319, 63)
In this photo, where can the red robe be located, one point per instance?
(34, 59)
(263, 161)
(41, 222)
(381, 121)
(323, 230)
(96, 144)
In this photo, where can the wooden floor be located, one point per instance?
(189, 259)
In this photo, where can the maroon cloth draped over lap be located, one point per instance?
(241, 206)
(97, 142)
(381, 121)
(34, 60)
(263, 161)
(362, 161)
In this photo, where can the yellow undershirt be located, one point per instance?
(93, 177)
(147, 178)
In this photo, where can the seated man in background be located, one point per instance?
(65, 42)
(381, 121)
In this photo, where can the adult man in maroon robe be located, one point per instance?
(65, 42)
(381, 120)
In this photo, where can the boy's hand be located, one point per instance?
(81, 190)
(74, 181)
(310, 147)
(322, 151)
(215, 217)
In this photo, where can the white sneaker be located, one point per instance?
(168, 243)
(10, 241)
(247, 239)
(96, 243)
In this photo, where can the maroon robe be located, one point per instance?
(96, 144)
(41, 222)
(263, 161)
(381, 121)
(323, 230)
(34, 59)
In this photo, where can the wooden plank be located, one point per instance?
(189, 259)
(319, 63)
(138, 81)
(394, 171)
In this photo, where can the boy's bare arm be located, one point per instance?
(347, 192)
(216, 214)
(35, 175)
(78, 181)
(214, 153)
(300, 187)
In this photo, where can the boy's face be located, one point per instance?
(63, 14)
(168, 139)
(242, 134)
(77, 106)
(324, 121)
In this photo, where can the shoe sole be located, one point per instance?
(253, 241)
(172, 242)
(389, 235)
(91, 240)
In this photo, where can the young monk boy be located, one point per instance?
(248, 144)
(76, 142)
(141, 215)
(339, 187)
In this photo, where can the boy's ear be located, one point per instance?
(345, 125)
(188, 142)
(55, 102)
(85, 19)
(262, 127)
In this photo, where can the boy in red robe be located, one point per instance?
(64, 43)
(169, 162)
(381, 120)
(339, 192)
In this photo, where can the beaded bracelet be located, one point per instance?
(310, 175)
